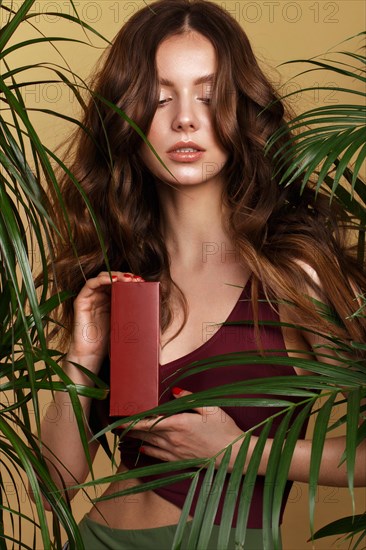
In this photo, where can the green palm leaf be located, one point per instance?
(329, 133)
(248, 486)
(201, 505)
(320, 431)
(353, 408)
(213, 500)
(354, 524)
(232, 493)
(270, 478)
(23, 311)
(283, 468)
(178, 537)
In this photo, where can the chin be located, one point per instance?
(191, 179)
(189, 182)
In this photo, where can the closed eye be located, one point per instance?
(206, 100)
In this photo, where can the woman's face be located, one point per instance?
(181, 131)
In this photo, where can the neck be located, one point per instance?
(194, 225)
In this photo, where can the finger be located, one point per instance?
(146, 424)
(94, 286)
(179, 392)
(120, 276)
(105, 279)
(102, 280)
(95, 282)
(149, 437)
(131, 278)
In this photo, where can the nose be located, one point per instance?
(185, 117)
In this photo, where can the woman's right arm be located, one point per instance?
(62, 446)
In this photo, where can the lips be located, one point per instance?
(185, 147)
(186, 151)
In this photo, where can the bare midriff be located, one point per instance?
(142, 510)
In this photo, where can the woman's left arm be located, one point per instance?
(330, 474)
(204, 433)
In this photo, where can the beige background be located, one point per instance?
(279, 31)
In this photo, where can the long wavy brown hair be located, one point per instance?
(276, 229)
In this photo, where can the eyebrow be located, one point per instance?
(200, 80)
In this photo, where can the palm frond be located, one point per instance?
(328, 137)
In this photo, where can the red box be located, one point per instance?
(134, 350)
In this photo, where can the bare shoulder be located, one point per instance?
(313, 291)
(300, 341)
(309, 270)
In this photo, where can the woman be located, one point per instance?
(218, 232)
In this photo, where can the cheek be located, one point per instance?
(156, 133)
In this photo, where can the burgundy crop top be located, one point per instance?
(227, 339)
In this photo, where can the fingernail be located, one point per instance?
(177, 391)
(114, 278)
(128, 275)
(142, 449)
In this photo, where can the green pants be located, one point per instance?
(101, 537)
